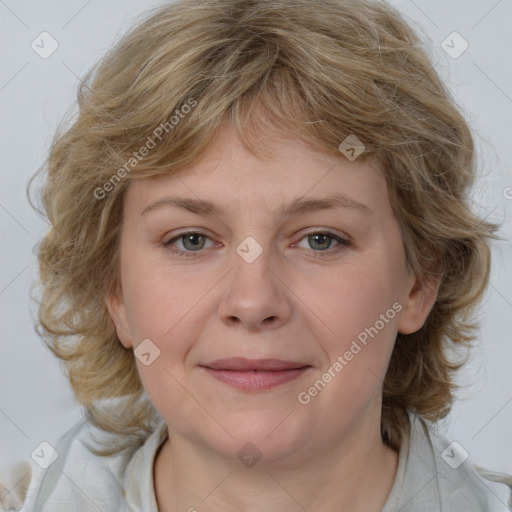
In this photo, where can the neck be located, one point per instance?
(356, 473)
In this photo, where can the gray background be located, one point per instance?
(35, 401)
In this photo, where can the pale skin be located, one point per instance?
(302, 299)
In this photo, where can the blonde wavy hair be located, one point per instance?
(319, 70)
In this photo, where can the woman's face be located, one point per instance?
(296, 258)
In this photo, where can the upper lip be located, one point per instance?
(244, 364)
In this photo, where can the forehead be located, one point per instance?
(229, 179)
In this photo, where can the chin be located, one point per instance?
(269, 437)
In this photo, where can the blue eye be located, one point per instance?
(323, 240)
(193, 242)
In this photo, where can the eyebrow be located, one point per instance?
(297, 206)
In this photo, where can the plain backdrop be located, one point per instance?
(36, 403)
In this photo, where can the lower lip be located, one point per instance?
(256, 380)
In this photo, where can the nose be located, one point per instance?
(256, 296)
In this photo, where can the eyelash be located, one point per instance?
(317, 254)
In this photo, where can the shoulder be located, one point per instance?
(70, 476)
(440, 475)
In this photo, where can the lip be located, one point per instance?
(255, 374)
(243, 364)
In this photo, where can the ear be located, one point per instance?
(117, 312)
(420, 300)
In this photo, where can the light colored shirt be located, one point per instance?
(432, 475)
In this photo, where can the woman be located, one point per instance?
(261, 256)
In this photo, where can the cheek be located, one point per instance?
(352, 301)
(163, 306)
(165, 316)
(361, 315)
(159, 298)
(359, 309)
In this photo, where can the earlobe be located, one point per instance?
(117, 312)
(419, 303)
